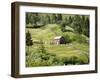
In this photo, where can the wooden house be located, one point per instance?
(59, 40)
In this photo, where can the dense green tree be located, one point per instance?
(27, 18)
(36, 18)
(76, 24)
(63, 25)
(28, 39)
(86, 32)
(70, 20)
(54, 18)
(66, 20)
(59, 18)
(80, 23)
(47, 19)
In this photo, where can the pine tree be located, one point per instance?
(54, 18)
(29, 41)
(47, 19)
(77, 25)
(70, 19)
(59, 18)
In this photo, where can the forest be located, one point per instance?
(56, 39)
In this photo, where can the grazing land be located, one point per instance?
(44, 46)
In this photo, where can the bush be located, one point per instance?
(84, 58)
(81, 38)
(41, 57)
(71, 37)
(74, 60)
(70, 60)
(68, 37)
(65, 60)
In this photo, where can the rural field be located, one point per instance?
(56, 39)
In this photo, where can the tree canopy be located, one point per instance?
(80, 23)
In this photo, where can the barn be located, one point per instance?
(59, 40)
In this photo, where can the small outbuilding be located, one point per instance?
(59, 40)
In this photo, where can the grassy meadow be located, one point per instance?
(42, 51)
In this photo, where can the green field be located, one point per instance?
(75, 52)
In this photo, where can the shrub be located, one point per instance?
(84, 58)
(67, 38)
(41, 57)
(74, 60)
(65, 60)
(81, 38)
(70, 60)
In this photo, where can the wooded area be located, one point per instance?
(80, 23)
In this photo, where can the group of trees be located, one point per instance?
(80, 23)
(43, 19)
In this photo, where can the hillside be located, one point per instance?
(69, 51)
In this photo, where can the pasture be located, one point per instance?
(50, 54)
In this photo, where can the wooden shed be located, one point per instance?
(59, 40)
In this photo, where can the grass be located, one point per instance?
(60, 51)
(46, 34)
(70, 53)
(68, 50)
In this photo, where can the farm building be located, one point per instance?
(59, 40)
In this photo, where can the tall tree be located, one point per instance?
(36, 18)
(54, 18)
(86, 32)
(63, 25)
(28, 39)
(27, 18)
(70, 19)
(59, 18)
(76, 24)
(47, 19)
